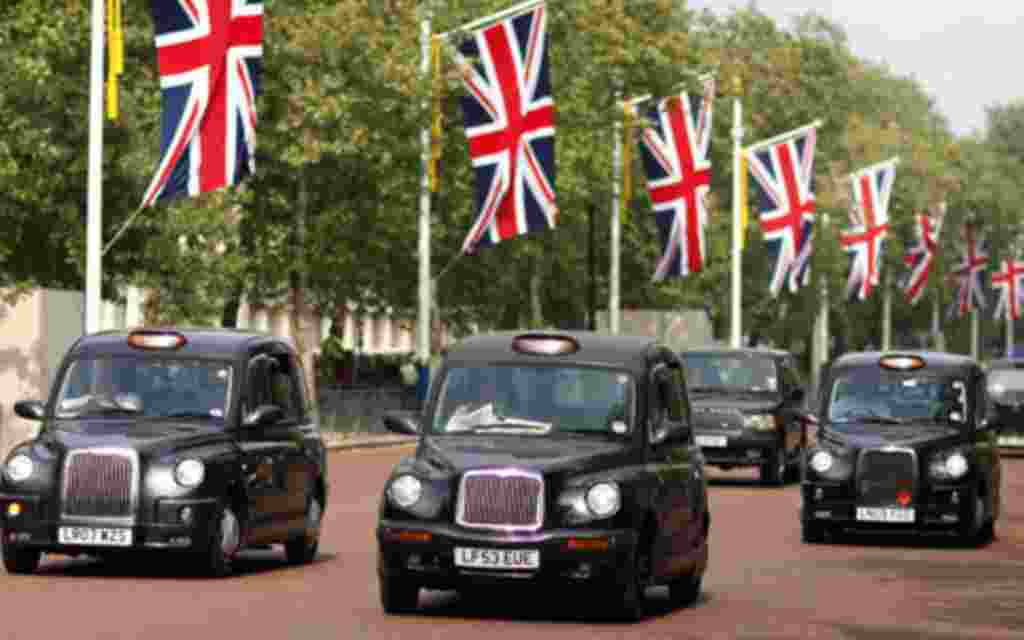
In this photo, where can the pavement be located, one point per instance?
(343, 441)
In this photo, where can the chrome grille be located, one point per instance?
(881, 473)
(100, 484)
(502, 499)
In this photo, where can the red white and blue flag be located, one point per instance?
(784, 175)
(209, 54)
(1010, 282)
(921, 256)
(510, 122)
(676, 146)
(968, 273)
(869, 220)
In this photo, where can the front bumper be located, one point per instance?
(943, 508)
(424, 554)
(35, 527)
(737, 448)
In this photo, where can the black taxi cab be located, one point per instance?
(907, 443)
(553, 459)
(197, 442)
(748, 407)
(1006, 391)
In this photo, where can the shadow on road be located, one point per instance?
(529, 605)
(167, 566)
(879, 539)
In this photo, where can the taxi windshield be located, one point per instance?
(876, 397)
(146, 386)
(534, 400)
(730, 372)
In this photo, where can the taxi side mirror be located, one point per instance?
(402, 422)
(29, 409)
(265, 414)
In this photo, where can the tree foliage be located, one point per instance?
(333, 207)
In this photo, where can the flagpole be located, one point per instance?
(821, 342)
(761, 144)
(94, 206)
(616, 232)
(423, 316)
(974, 333)
(886, 314)
(520, 8)
(737, 264)
(1009, 329)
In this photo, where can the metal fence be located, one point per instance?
(353, 409)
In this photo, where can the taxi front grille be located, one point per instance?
(100, 484)
(506, 500)
(883, 473)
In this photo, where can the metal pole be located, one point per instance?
(938, 341)
(616, 231)
(974, 333)
(886, 314)
(737, 264)
(423, 317)
(1009, 332)
(94, 215)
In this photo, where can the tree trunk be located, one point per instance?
(297, 282)
(592, 267)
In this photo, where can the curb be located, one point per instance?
(369, 443)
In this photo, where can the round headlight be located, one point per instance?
(604, 499)
(405, 491)
(19, 468)
(189, 473)
(956, 465)
(822, 461)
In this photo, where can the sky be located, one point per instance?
(965, 55)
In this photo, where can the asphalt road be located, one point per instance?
(762, 583)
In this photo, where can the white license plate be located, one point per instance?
(1011, 441)
(95, 537)
(476, 558)
(712, 441)
(884, 514)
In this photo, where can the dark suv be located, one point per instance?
(907, 442)
(1006, 391)
(554, 458)
(748, 407)
(194, 442)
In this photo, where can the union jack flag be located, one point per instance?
(209, 54)
(784, 175)
(921, 256)
(969, 295)
(510, 123)
(676, 149)
(869, 217)
(1009, 281)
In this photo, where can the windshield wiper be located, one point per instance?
(188, 413)
(869, 418)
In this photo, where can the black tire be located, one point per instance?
(684, 591)
(975, 529)
(302, 549)
(813, 533)
(773, 470)
(21, 561)
(223, 545)
(626, 601)
(398, 596)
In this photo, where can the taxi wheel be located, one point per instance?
(398, 596)
(773, 470)
(302, 550)
(627, 600)
(21, 561)
(684, 591)
(225, 541)
(976, 531)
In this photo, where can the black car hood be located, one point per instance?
(456, 454)
(872, 436)
(148, 437)
(741, 403)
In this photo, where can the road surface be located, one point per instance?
(762, 584)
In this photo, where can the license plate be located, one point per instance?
(95, 537)
(475, 558)
(884, 514)
(712, 441)
(1011, 441)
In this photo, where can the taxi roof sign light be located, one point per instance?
(901, 362)
(545, 345)
(156, 340)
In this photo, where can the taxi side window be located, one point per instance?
(272, 380)
(667, 395)
(980, 400)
